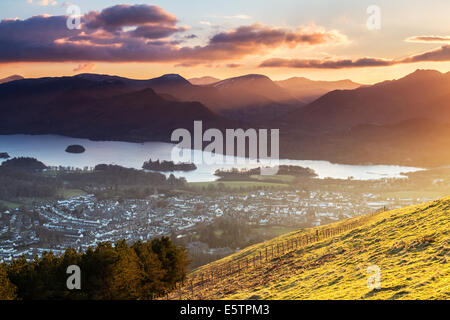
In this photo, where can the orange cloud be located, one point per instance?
(436, 55)
(435, 39)
(85, 67)
(140, 33)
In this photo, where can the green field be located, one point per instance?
(282, 177)
(9, 205)
(237, 184)
(70, 193)
(414, 194)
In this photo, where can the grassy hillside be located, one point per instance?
(411, 246)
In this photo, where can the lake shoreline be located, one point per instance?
(50, 149)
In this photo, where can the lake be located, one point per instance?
(50, 149)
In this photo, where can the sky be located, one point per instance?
(365, 41)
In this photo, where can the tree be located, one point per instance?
(127, 275)
(7, 289)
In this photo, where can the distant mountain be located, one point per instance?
(202, 81)
(254, 88)
(414, 142)
(97, 107)
(308, 90)
(422, 94)
(11, 78)
(253, 97)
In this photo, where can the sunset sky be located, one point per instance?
(320, 39)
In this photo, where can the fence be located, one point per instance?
(265, 254)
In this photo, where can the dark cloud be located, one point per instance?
(440, 54)
(234, 65)
(325, 64)
(156, 31)
(429, 39)
(129, 15)
(259, 35)
(140, 33)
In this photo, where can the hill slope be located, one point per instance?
(11, 78)
(422, 94)
(411, 246)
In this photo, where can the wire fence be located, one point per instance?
(197, 280)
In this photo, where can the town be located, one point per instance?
(84, 221)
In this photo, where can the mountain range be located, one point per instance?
(202, 81)
(307, 90)
(422, 94)
(404, 121)
(98, 107)
(11, 78)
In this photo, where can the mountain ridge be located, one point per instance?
(384, 103)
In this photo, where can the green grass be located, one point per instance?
(282, 177)
(9, 205)
(237, 184)
(414, 194)
(70, 193)
(411, 246)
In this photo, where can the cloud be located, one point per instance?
(140, 33)
(45, 2)
(85, 67)
(435, 39)
(119, 16)
(156, 31)
(325, 63)
(260, 35)
(233, 65)
(436, 55)
(238, 16)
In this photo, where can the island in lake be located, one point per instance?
(4, 155)
(24, 163)
(247, 174)
(168, 166)
(75, 148)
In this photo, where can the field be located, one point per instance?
(414, 194)
(410, 246)
(237, 184)
(271, 178)
(70, 193)
(9, 205)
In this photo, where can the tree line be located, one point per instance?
(142, 271)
